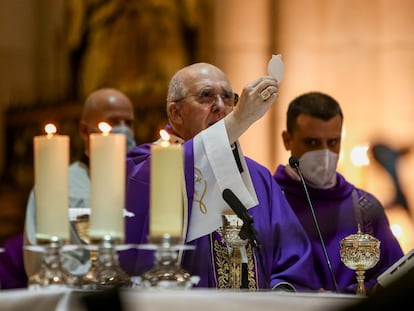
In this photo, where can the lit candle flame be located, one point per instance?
(50, 129)
(165, 138)
(164, 135)
(104, 127)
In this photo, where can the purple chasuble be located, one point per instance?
(12, 273)
(337, 218)
(285, 249)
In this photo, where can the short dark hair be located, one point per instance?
(315, 104)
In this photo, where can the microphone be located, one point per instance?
(294, 163)
(247, 231)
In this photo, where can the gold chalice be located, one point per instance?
(360, 252)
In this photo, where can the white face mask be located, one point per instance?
(319, 168)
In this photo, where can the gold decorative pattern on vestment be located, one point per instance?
(200, 190)
(221, 261)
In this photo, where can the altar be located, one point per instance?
(62, 299)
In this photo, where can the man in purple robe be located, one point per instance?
(204, 118)
(313, 135)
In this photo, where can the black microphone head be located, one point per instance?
(294, 162)
(236, 205)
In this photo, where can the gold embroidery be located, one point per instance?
(221, 262)
(222, 265)
(251, 268)
(200, 189)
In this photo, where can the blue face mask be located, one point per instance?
(122, 129)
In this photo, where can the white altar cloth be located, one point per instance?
(61, 299)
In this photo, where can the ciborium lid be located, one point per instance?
(360, 239)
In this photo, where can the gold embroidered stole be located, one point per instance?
(221, 263)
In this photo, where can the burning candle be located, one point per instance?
(51, 168)
(167, 182)
(107, 172)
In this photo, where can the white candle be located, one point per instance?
(51, 167)
(167, 181)
(107, 172)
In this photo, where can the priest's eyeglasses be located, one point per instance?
(209, 97)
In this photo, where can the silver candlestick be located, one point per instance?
(167, 272)
(105, 270)
(52, 273)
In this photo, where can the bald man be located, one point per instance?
(111, 106)
(103, 105)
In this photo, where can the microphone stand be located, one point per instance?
(294, 162)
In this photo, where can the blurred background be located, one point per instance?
(54, 52)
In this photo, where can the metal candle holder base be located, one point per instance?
(167, 273)
(89, 280)
(105, 271)
(52, 273)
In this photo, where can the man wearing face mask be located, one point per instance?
(103, 105)
(313, 135)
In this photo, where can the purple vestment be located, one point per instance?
(285, 248)
(337, 217)
(12, 273)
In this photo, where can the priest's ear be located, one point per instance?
(174, 113)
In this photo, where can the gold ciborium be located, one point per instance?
(231, 230)
(360, 252)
